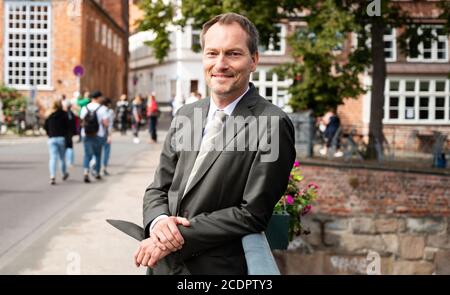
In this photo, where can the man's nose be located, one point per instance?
(222, 63)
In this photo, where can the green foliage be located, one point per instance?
(322, 79)
(157, 17)
(12, 100)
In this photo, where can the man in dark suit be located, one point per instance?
(203, 201)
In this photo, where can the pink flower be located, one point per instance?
(306, 210)
(289, 199)
(296, 164)
(312, 184)
(290, 177)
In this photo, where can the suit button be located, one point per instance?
(195, 254)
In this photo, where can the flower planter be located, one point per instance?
(277, 231)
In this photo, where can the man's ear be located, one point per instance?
(255, 60)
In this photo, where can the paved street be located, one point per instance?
(49, 229)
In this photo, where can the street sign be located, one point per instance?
(78, 71)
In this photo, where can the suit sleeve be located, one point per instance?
(266, 183)
(156, 194)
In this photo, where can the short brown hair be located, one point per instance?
(229, 18)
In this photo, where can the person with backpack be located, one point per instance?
(95, 122)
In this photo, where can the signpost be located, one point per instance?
(78, 71)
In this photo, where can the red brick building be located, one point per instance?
(41, 42)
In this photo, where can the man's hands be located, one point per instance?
(148, 254)
(164, 239)
(165, 234)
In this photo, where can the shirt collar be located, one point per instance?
(227, 110)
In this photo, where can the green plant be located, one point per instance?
(296, 201)
(13, 102)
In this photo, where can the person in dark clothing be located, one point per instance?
(152, 116)
(57, 127)
(333, 123)
(72, 130)
(122, 111)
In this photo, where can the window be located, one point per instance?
(104, 32)
(119, 47)
(195, 39)
(432, 50)
(109, 43)
(272, 86)
(390, 45)
(97, 30)
(278, 46)
(417, 100)
(27, 44)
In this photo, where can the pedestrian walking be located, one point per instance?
(108, 136)
(332, 125)
(122, 111)
(152, 117)
(57, 127)
(136, 112)
(72, 130)
(95, 122)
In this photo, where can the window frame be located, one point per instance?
(393, 39)
(28, 59)
(434, 49)
(431, 94)
(282, 40)
(280, 94)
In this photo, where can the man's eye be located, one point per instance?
(210, 53)
(235, 53)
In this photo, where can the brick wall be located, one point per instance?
(348, 191)
(115, 9)
(135, 14)
(350, 113)
(106, 69)
(402, 219)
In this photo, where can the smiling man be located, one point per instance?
(202, 202)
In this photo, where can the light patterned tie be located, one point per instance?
(214, 127)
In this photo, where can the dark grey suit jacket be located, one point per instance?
(232, 195)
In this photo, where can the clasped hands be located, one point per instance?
(164, 239)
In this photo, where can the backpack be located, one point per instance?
(90, 122)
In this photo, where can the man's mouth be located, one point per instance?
(222, 76)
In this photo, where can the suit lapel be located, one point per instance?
(242, 109)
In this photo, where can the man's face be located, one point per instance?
(227, 62)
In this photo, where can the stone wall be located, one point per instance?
(399, 219)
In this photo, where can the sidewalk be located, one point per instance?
(12, 139)
(81, 241)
